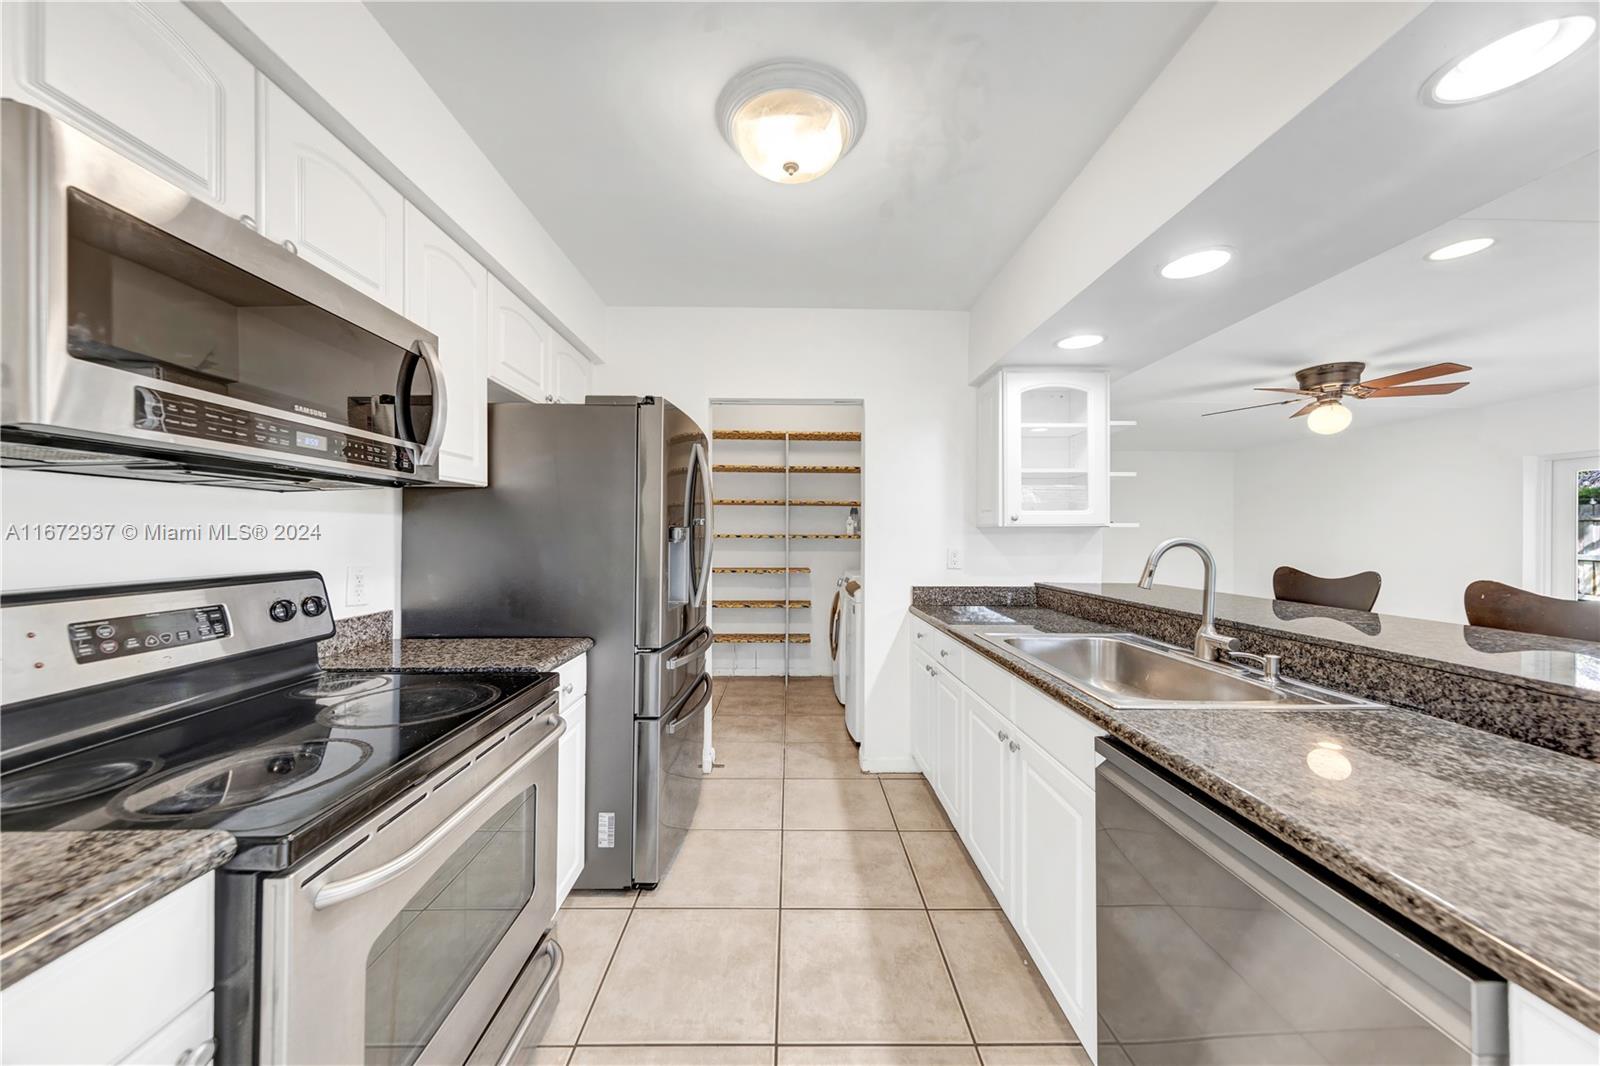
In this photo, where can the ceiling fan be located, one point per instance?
(1328, 384)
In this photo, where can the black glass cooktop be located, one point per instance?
(283, 770)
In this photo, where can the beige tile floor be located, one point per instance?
(816, 916)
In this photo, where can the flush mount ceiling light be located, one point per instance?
(1079, 341)
(791, 121)
(1196, 263)
(1512, 59)
(1460, 248)
(1329, 418)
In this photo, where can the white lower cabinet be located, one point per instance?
(131, 993)
(1542, 1035)
(1023, 803)
(1052, 902)
(572, 787)
(990, 753)
(948, 747)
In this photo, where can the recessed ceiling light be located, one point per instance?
(1460, 248)
(1079, 341)
(1196, 263)
(1512, 59)
(791, 121)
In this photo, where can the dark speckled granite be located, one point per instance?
(59, 888)
(955, 595)
(1539, 690)
(458, 654)
(374, 628)
(1491, 844)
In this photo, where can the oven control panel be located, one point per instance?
(185, 416)
(133, 634)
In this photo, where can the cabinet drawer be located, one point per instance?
(1060, 732)
(991, 682)
(574, 680)
(187, 1039)
(941, 649)
(127, 982)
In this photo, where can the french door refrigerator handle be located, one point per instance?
(679, 717)
(698, 458)
(695, 649)
(335, 892)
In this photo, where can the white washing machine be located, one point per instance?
(845, 640)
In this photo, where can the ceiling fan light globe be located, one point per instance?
(1329, 418)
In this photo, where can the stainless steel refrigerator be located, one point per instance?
(596, 522)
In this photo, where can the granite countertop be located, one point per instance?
(1568, 668)
(458, 654)
(1491, 844)
(59, 888)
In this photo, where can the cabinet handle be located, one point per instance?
(289, 246)
(199, 1055)
(931, 671)
(1013, 518)
(1001, 733)
(549, 397)
(567, 688)
(943, 652)
(1015, 746)
(249, 223)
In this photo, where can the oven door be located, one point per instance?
(399, 942)
(141, 322)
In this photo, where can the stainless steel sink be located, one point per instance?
(1126, 671)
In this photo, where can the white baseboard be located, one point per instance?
(890, 764)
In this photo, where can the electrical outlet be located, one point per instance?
(952, 559)
(355, 586)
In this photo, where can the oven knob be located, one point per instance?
(281, 610)
(313, 606)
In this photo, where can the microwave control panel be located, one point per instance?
(185, 416)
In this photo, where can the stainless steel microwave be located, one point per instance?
(148, 335)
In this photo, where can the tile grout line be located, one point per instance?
(927, 914)
(599, 985)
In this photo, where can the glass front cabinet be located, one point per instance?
(1044, 448)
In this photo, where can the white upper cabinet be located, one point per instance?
(572, 372)
(321, 201)
(1044, 448)
(447, 292)
(150, 80)
(519, 346)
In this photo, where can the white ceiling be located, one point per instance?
(1525, 315)
(600, 116)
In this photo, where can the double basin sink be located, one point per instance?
(1129, 672)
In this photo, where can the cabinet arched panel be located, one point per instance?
(150, 80)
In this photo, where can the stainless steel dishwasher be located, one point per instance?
(1215, 945)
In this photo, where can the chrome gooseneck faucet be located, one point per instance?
(1209, 644)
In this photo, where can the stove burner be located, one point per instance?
(62, 784)
(240, 779)
(412, 704)
(342, 686)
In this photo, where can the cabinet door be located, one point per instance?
(1056, 448)
(987, 780)
(519, 346)
(1053, 881)
(572, 372)
(327, 204)
(150, 80)
(572, 788)
(446, 292)
(948, 716)
(923, 744)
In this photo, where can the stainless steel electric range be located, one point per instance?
(394, 888)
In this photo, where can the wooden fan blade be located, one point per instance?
(1416, 390)
(1296, 392)
(1307, 409)
(1252, 407)
(1437, 370)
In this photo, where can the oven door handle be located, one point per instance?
(557, 956)
(338, 891)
